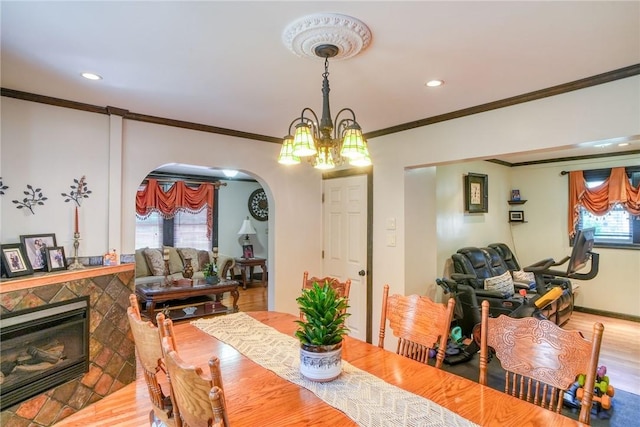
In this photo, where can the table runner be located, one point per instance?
(363, 397)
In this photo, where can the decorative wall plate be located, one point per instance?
(258, 205)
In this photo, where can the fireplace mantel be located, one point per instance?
(42, 279)
(111, 353)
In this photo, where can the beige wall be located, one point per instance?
(49, 146)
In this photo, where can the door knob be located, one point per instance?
(361, 273)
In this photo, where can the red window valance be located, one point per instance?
(616, 189)
(179, 197)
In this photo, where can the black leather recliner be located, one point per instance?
(471, 266)
(558, 311)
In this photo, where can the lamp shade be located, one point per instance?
(247, 228)
(303, 143)
(286, 152)
(353, 145)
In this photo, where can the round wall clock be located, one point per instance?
(258, 205)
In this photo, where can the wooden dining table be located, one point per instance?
(257, 396)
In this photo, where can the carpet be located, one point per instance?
(625, 407)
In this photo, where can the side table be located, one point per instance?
(250, 263)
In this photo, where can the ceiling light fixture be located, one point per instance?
(91, 76)
(229, 173)
(326, 36)
(435, 83)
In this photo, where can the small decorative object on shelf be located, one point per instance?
(111, 258)
(515, 195)
(516, 216)
(76, 265)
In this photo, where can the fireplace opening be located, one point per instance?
(42, 348)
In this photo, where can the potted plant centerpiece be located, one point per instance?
(320, 331)
(210, 272)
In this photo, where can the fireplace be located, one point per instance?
(42, 348)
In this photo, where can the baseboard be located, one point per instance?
(607, 314)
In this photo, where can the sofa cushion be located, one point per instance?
(502, 283)
(155, 261)
(175, 261)
(190, 253)
(204, 258)
(142, 269)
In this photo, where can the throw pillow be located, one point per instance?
(155, 261)
(142, 269)
(190, 253)
(502, 283)
(204, 258)
(523, 276)
(175, 261)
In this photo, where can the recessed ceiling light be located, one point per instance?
(603, 145)
(229, 173)
(435, 83)
(91, 76)
(623, 144)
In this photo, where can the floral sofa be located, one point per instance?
(150, 263)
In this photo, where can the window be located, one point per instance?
(149, 231)
(618, 227)
(190, 230)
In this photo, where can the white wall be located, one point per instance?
(52, 145)
(616, 288)
(596, 113)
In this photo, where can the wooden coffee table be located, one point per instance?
(173, 298)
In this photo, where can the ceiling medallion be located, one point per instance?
(348, 34)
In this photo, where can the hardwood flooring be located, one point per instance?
(620, 351)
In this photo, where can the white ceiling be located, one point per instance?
(224, 63)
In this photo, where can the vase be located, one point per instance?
(321, 363)
(187, 273)
(212, 280)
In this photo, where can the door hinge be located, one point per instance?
(322, 197)
(323, 254)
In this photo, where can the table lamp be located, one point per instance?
(246, 229)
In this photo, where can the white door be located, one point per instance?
(345, 243)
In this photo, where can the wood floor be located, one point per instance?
(620, 350)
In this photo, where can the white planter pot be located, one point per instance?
(321, 363)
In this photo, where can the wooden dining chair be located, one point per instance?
(541, 359)
(149, 351)
(341, 288)
(199, 398)
(419, 323)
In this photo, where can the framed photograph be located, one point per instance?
(247, 251)
(55, 258)
(516, 216)
(15, 261)
(476, 193)
(35, 245)
(515, 195)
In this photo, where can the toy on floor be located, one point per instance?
(602, 394)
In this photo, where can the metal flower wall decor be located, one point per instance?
(2, 187)
(79, 191)
(35, 197)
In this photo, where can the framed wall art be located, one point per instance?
(35, 245)
(55, 258)
(14, 260)
(476, 193)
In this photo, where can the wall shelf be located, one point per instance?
(516, 202)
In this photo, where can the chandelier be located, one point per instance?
(323, 144)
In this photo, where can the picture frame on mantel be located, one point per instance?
(35, 247)
(476, 193)
(15, 261)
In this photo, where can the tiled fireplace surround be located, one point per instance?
(111, 347)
